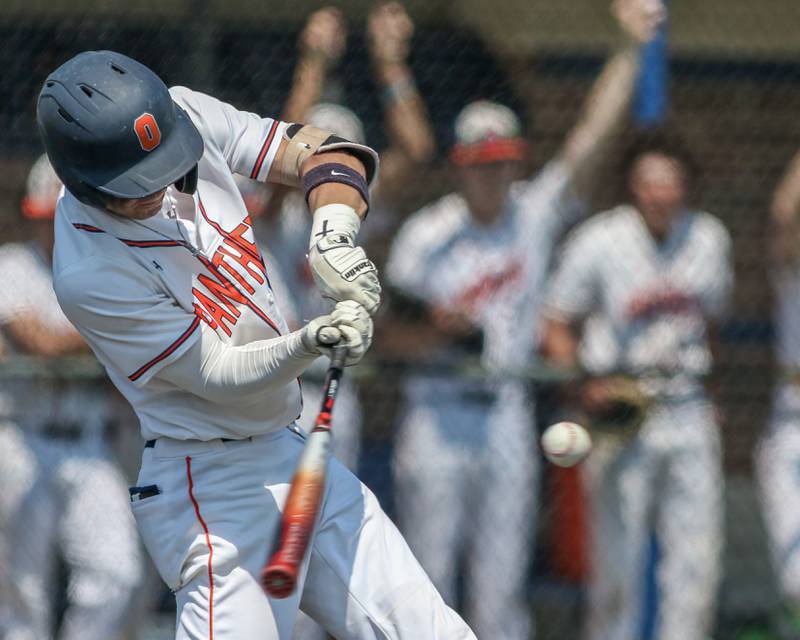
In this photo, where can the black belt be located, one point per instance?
(150, 444)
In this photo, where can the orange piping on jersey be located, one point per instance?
(169, 350)
(86, 227)
(151, 244)
(263, 153)
(210, 549)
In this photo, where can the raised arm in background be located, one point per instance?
(408, 128)
(35, 339)
(784, 230)
(322, 43)
(607, 105)
(389, 30)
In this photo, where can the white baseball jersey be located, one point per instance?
(492, 273)
(647, 303)
(36, 403)
(194, 262)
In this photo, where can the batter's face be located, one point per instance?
(658, 185)
(137, 208)
(485, 188)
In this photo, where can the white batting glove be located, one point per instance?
(348, 324)
(342, 270)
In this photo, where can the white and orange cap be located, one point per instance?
(41, 192)
(487, 132)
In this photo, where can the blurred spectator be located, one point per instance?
(63, 497)
(466, 273)
(282, 221)
(777, 459)
(636, 294)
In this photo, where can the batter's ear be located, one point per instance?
(301, 141)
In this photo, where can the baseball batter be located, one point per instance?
(777, 459)
(63, 495)
(477, 260)
(647, 279)
(156, 264)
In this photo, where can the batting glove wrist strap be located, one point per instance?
(334, 220)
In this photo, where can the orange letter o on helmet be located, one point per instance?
(147, 131)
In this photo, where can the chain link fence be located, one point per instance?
(442, 419)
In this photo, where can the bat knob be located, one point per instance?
(278, 581)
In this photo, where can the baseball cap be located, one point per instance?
(487, 132)
(41, 192)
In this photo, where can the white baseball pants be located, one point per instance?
(466, 477)
(777, 469)
(668, 478)
(346, 419)
(215, 522)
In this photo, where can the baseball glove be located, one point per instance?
(625, 410)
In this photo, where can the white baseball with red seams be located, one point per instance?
(566, 443)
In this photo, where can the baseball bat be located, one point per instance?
(279, 576)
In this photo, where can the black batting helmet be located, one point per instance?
(110, 128)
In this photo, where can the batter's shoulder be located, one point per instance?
(183, 96)
(603, 226)
(205, 111)
(96, 280)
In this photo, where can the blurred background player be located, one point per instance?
(637, 292)
(777, 460)
(282, 221)
(63, 497)
(466, 273)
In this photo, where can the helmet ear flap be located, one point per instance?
(188, 183)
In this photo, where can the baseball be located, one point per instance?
(566, 443)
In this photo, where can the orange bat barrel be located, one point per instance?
(279, 576)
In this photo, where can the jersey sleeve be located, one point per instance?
(132, 327)
(573, 289)
(716, 297)
(247, 141)
(549, 202)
